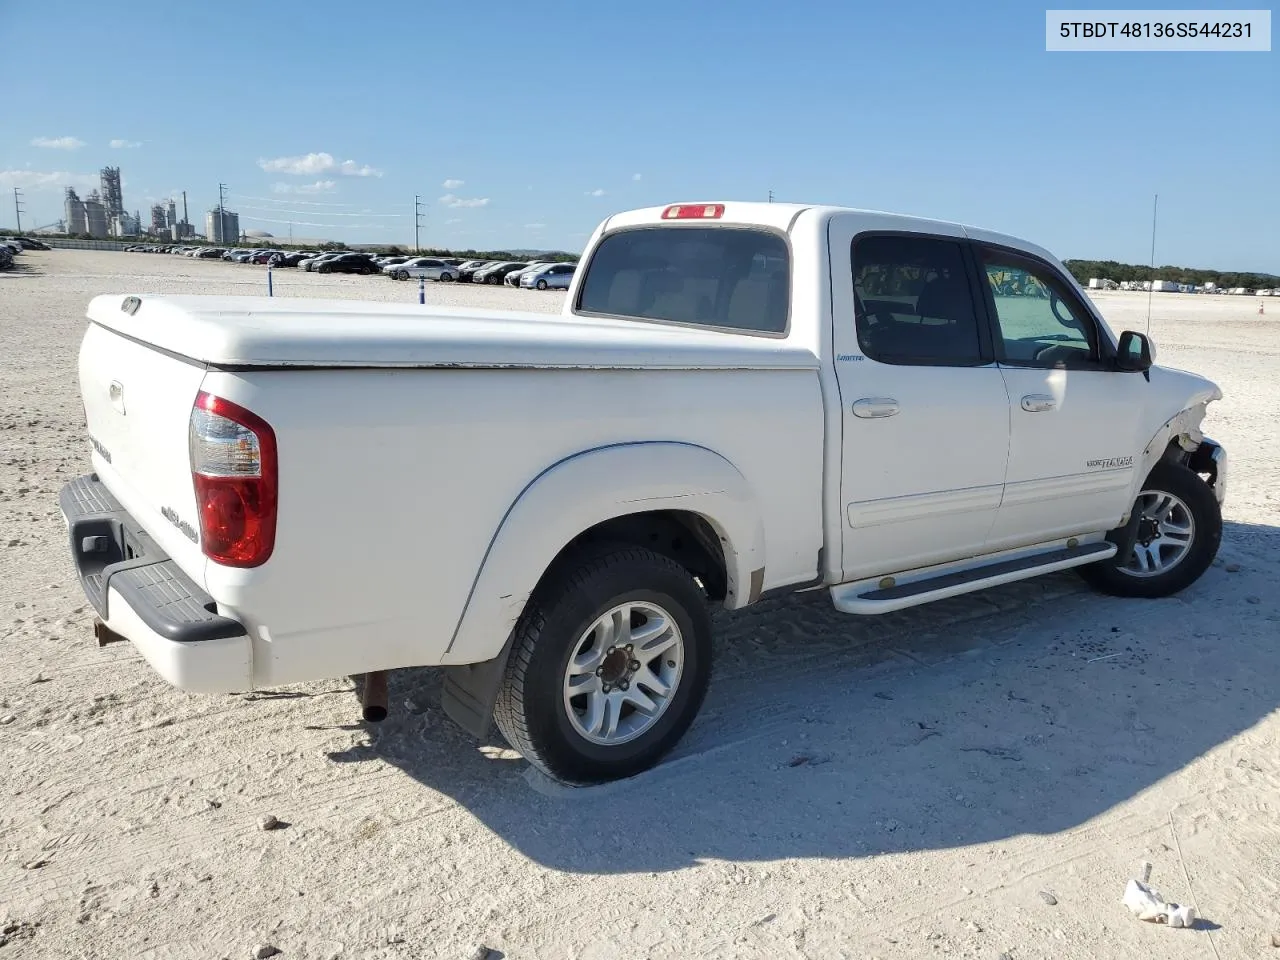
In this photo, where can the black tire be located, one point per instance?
(323, 268)
(542, 284)
(493, 280)
(530, 710)
(1111, 577)
(446, 277)
(365, 271)
(402, 274)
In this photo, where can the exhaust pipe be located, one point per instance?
(104, 634)
(373, 698)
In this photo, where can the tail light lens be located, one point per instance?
(233, 466)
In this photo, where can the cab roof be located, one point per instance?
(783, 216)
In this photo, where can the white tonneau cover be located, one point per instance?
(262, 331)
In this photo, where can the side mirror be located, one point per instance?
(1134, 352)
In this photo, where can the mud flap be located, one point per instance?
(470, 691)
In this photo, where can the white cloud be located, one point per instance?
(453, 184)
(597, 192)
(320, 186)
(36, 180)
(124, 144)
(58, 143)
(454, 220)
(312, 163)
(449, 200)
(349, 168)
(534, 226)
(636, 176)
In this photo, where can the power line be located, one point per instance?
(317, 213)
(294, 200)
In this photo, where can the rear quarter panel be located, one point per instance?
(393, 483)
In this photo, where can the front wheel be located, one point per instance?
(542, 284)
(610, 663)
(1178, 533)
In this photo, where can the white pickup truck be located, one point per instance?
(737, 400)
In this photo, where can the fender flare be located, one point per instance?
(588, 488)
(1183, 429)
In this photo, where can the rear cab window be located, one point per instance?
(733, 278)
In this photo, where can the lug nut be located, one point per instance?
(599, 671)
(633, 666)
(605, 687)
(623, 685)
(611, 649)
(628, 648)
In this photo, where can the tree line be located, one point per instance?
(1083, 270)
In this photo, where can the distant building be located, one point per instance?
(222, 226)
(124, 225)
(112, 198)
(95, 215)
(75, 215)
(158, 225)
(171, 214)
(181, 231)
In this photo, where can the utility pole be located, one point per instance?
(17, 206)
(417, 222)
(222, 220)
(771, 196)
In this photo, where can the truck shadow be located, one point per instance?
(1031, 708)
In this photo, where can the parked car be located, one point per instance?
(512, 279)
(494, 273)
(28, 243)
(468, 268)
(308, 264)
(429, 268)
(211, 253)
(289, 259)
(360, 263)
(561, 576)
(385, 262)
(263, 256)
(553, 276)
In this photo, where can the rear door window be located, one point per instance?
(914, 302)
(728, 277)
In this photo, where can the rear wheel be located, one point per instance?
(610, 664)
(402, 274)
(1178, 534)
(446, 277)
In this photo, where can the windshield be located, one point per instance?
(733, 277)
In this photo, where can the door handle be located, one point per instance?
(873, 407)
(1038, 403)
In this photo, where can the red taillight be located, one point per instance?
(233, 465)
(694, 211)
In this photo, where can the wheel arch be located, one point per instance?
(680, 499)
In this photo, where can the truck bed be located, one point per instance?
(254, 332)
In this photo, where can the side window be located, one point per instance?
(1040, 322)
(913, 301)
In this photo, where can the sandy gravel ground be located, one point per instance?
(974, 779)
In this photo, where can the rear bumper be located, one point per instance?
(141, 594)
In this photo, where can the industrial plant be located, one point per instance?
(101, 214)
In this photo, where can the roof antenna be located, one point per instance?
(1151, 285)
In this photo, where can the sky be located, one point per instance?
(523, 125)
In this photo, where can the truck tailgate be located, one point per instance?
(137, 405)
